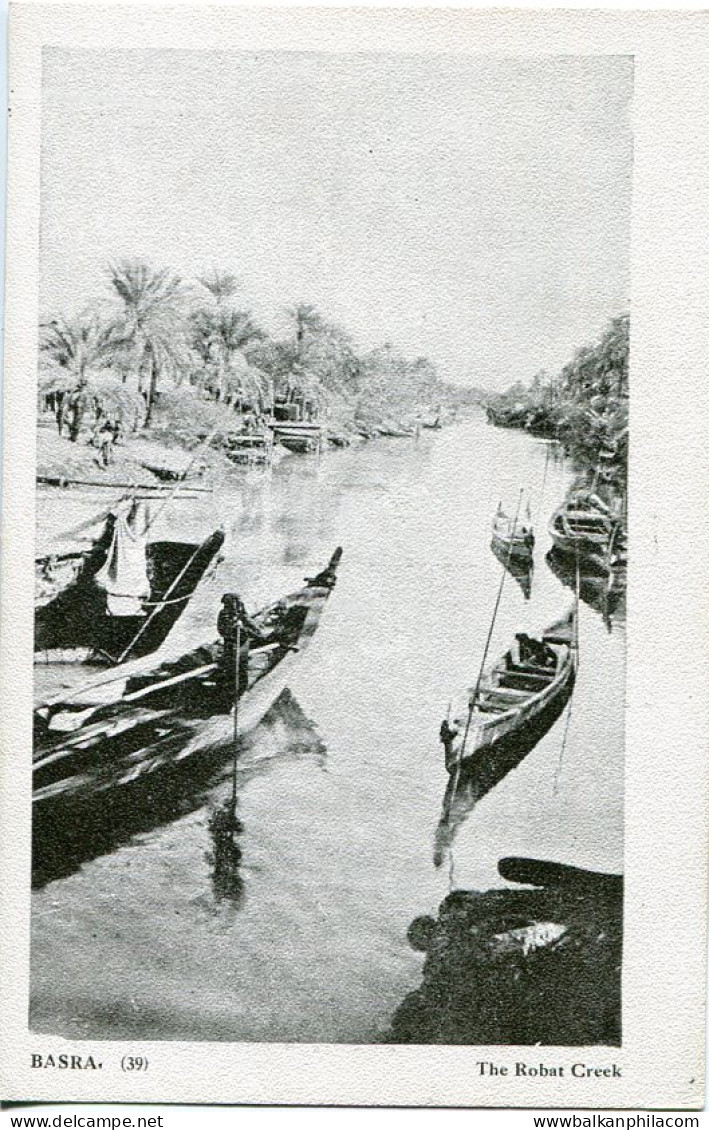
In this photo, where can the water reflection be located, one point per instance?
(225, 854)
(605, 594)
(68, 833)
(474, 778)
(522, 571)
(337, 842)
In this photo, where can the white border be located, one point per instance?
(664, 974)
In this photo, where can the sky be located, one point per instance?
(475, 210)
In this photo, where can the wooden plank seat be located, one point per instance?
(522, 680)
(529, 669)
(504, 696)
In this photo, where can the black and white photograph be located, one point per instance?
(347, 719)
(331, 548)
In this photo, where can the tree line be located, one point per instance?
(585, 405)
(161, 352)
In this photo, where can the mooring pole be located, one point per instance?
(237, 690)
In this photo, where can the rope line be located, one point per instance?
(575, 645)
(126, 651)
(473, 700)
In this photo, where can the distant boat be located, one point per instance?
(521, 569)
(302, 436)
(120, 732)
(516, 701)
(122, 594)
(585, 526)
(302, 445)
(395, 433)
(251, 449)
(512, 536)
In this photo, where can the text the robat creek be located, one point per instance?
(545, 1070)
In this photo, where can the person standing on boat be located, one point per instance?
(238, 631)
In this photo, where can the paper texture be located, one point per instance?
(288, 266)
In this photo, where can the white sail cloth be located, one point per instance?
(124, 574)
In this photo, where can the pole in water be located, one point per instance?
(237, 691)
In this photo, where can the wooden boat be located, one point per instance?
(301, 436)
(250, 450)
(585, 526)
(191, 486)
(395, 433)
(520, 568)
(74, 617)
(514, 538)
(517, 699)
(301, 444)
(123, 730)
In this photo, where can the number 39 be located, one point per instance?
(134, 1063)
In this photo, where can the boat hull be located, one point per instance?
(165, 716)
(516, 705)
(76, 627)
(518, 549)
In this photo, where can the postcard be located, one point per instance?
(354, 623)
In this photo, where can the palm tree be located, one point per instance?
(220, 285)
(76, 349)
(219, 336)
(154, 306)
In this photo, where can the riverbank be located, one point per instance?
(139, 460)
(532, 966)
(148, 458)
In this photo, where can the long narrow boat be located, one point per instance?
(118, 732)
(521, 569)
(76, 618)
(517, 700)
(514, 538)
(584, 526)
(396, 433)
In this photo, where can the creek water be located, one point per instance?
(341, 787)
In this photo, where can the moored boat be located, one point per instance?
(251, 449)
(121, 596)
(516, 700)
(119, 731)
(512, 536)
(394, 432)
(301, 444)
(585, 526)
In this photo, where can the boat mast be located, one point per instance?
(476, 692)
(237, 691)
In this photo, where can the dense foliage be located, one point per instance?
(180, 356)
(585, 405)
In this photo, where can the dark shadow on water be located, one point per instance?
(224, 857)
(69, 833)
(522, 571)
(537, 964)
(605, 594)
(479, 774)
